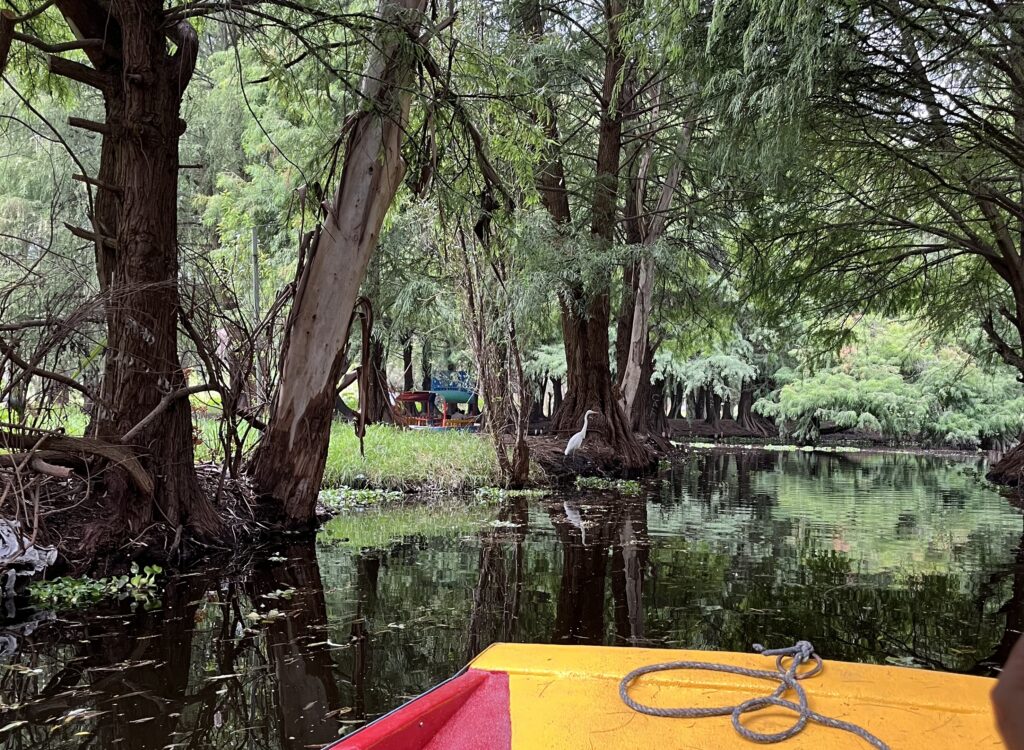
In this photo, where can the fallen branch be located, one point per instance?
(57, 445)
(40, 466)
(57, 459)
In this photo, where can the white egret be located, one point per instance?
(577, 440)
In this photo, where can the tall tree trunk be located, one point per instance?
(641, 419)
(627, 303)
(639, 346)
(408, 379)
(586, 316)
(426, 355)
(698, 404)
(135, 232)
(556, 395)
(712, 409)
(289, 462)
(745, 412)
(537, 408)
(679, 407)
(377, 396)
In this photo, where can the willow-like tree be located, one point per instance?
(908, 180)
(585, 304)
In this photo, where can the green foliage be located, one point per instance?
(901, 383)
(500, 494)
(61, 593)
(348, 497)
(546, 361)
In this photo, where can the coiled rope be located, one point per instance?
(788, 678)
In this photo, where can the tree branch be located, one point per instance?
(1003, 349)
(91, 125)
(81, 73)
(184, 59)
(164, 404)
(85, 234)
(66, 444)
(56, 48)
(12, 355)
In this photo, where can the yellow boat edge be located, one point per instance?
(566, 697)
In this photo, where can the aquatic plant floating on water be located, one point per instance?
(140, 586)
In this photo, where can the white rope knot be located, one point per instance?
(788, 677)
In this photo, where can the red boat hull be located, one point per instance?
(470, 712)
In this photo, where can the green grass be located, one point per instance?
(402, 460)
(448, 460)
(70, 417)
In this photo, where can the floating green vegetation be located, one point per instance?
(349, 497)
(140, 586)
(498, 494)
(629, 487)
(382, 528)
(777, 447)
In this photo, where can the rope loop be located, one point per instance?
(788, 678)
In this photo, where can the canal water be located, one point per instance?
(886, 558)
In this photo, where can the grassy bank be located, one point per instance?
(449, 460)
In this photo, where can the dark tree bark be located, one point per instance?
(537, 408)
(289, 463)
(698, 403)
(712, 409)
(586, 317)
(1009, 470)
(425, 366)
(680, 404)
(556, 395)
(134, 226)
(377, 396)
(408, 380)
(745, 412)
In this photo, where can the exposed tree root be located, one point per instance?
(1009, 470)
(71, 515)
(595, 458)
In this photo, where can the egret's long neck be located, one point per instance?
(586, 417)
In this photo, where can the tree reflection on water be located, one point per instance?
(896, 558)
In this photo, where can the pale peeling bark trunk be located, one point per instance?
(638, 345)
(289, 463)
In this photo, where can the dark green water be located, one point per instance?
(884, 558)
